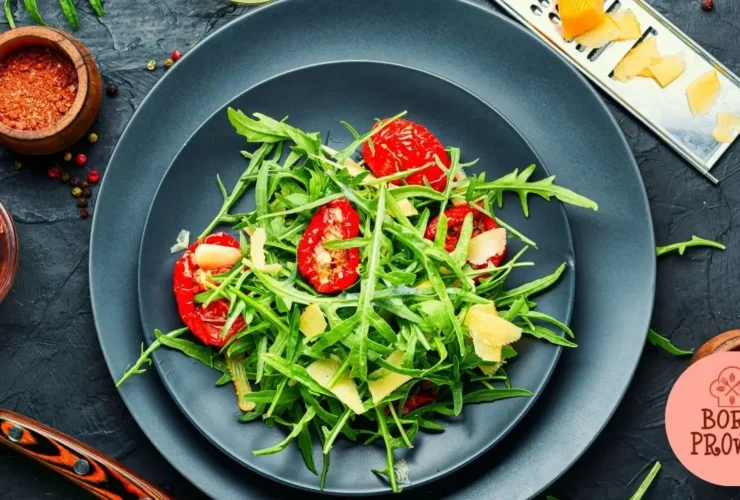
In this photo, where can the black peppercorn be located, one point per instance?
(64, 177)
(82, 202)
(84, 184)
(84, 214)
(75, 181)
(111, 90)
(87, 192)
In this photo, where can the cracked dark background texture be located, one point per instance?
(51, 367)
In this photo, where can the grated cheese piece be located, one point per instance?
(666, 69)
(486, 245)
(323, 370)
(629, 26)
(387, 381)
(312, 322)
(724, 135)
(490, 332)
(728, 120)
(636, 60)
(182, 243)
(605, 32)
(703, 92)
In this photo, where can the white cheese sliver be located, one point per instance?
(257, 248)
(182, 243)
(312, 322)
(323, 370)
(486, 245)
(389, 381)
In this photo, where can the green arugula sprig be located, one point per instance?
(658, 340)
(681, 247)
(412, 296)
(68, 9)
(646, 482)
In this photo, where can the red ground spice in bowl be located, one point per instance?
(38, 86)
(50, 90)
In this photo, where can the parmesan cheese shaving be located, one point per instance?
(312, 322)
(486, 245)
(387, 381)
(182, 243)
(323, 370)
(257, 248)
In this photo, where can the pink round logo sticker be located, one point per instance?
(702, 418)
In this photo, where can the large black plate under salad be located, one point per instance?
(555, 110)
(316, 99)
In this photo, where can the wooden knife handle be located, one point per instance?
(101, 476)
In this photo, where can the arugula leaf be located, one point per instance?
(146, 355)
(646, 482)
(97, 6)
(68, 8)
(545, 188)
(681, 247)
(658, 340)
(9, 14)
(33, 12)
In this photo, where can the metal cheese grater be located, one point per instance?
(664, 110)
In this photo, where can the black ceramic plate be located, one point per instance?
(510, 69)
(317, 98)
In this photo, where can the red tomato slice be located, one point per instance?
(206, 323)
(455, 219)
(404, 145)
(330, 271)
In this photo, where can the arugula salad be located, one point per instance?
(365, 296)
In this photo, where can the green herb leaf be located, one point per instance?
(33, 12)
(297, 429)
(658, 340)
(646, 482)
(9, 14)
(97, 7)
(68, 8)
(146, 356)
(545, 188)
(681, 247)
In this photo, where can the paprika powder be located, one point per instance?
(38, 86)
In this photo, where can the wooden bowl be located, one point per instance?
(80, 117)
(728, 341)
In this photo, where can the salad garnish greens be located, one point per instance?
(680, 247)
(363, 298)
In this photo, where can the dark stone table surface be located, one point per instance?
(51, 367)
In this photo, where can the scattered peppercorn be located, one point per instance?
(87, 192)
(707, 5)
(64, 177)
(151, 65)
(168, 63)
(67, 156)
(75, 181)
(17, 165)
(111, 90)
(93, 176)
(55, 172)
(82, 202)
(84, 184)
(76, 191)
(92, 138)
(81, 159)
(176, 55)
(84, 214)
